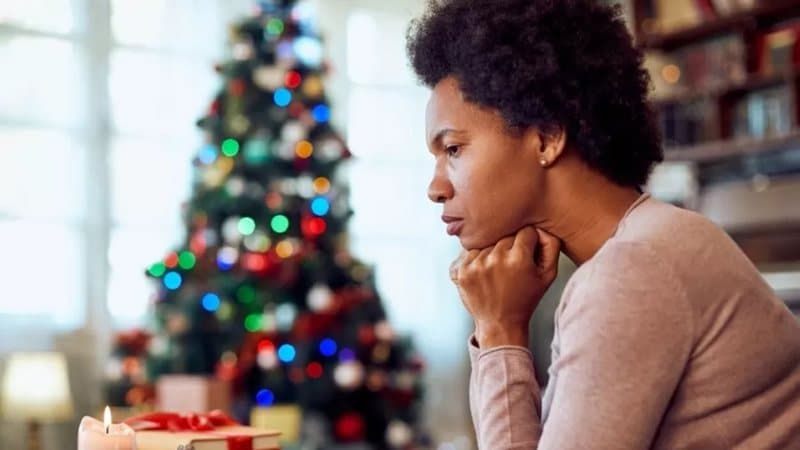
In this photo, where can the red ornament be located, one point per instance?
(273, 200)
(255, 262)
(366, 335)
(296, 109)
(198, 243)
(293, 79)
(134, 342)
(314, 370)
(171, 261)
(266, 345)
(237, 87)
(214, 108)
(313, 226)
(350, 427)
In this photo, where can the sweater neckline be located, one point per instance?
(642, 198)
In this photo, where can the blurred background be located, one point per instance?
(140, 273)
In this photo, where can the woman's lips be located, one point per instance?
(454, 228)
(454, 224)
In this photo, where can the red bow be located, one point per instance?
(170, 421)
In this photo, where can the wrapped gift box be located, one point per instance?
(213, 431)
(284, 418)
(187, 393)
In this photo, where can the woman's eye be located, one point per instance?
(452, 150)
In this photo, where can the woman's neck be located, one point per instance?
(586, 213)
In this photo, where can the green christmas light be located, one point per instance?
(247, 226)
(186, 260)
(280, 223)
(246, 294)
(230, 147)
(157, 269)
(275, 26)
(252, 323)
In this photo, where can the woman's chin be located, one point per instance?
(479, 242)
(473, 243)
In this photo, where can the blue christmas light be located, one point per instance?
(320, 206)
(327, 347)
(282, 97)
(224, 265)
(321, 113)
(172, 280)
(211, 302)
(265, 397)
(347, 355)
(286, 353)
(226, 258)
(207, 154)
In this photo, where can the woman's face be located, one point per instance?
(487, 180)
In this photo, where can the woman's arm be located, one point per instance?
(625, 336)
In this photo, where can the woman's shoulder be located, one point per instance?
(662, 250)
(658, 223)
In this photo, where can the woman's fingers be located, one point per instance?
(549, 249)
(525, 241)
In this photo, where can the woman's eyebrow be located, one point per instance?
(442, 133)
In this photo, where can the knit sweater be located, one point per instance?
(667, 338)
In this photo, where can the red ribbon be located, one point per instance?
(170, 421)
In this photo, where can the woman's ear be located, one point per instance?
(551, 146)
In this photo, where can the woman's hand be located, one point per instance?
(502, 285)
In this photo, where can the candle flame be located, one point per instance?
(107, 418)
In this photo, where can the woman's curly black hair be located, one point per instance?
(552, 64)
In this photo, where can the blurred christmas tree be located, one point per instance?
(263, 292)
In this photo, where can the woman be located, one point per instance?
(666, 336)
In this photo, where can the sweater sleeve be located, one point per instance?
(625, 336)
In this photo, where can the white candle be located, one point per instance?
(96, 435)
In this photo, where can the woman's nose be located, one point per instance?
(440, 189)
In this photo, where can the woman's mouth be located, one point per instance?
(454, 225)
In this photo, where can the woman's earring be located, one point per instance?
(544, 162)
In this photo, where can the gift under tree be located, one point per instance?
(263, 291)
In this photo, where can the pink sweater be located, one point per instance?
(668, 338)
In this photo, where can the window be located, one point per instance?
(96, 139)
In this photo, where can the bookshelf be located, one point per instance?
(726, 77)
(760, 16)
(715, 150)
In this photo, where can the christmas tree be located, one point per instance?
(263, 291)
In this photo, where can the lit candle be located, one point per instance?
(96, 435)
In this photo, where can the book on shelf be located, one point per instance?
(778, 49)
(711, 64)
(715, 63)
(689, 123)
(764, 113)
(676, 15)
